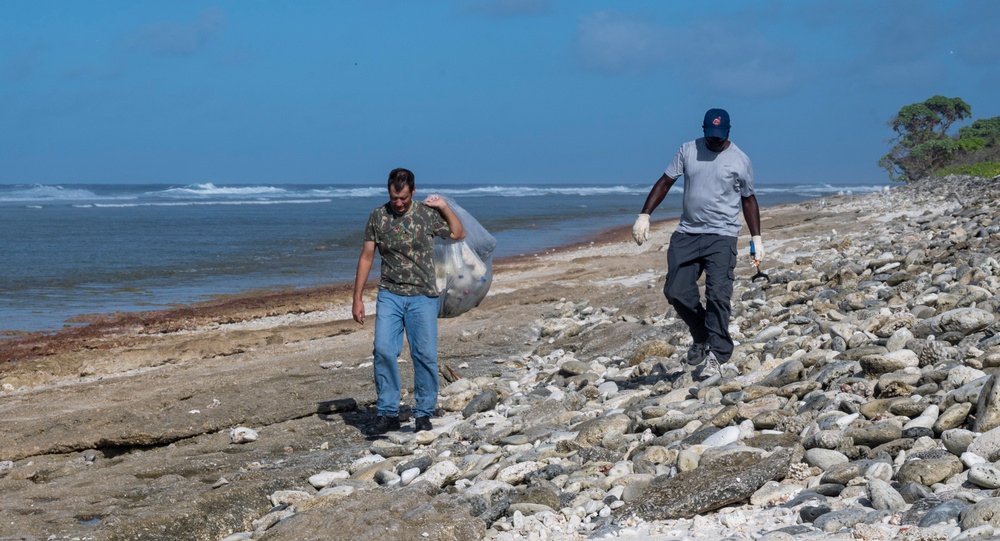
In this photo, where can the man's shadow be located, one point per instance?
(361, 417)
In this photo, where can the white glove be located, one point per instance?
(640, 231)
(758, 251)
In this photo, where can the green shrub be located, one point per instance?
(984, 169)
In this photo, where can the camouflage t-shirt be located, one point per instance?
(406, 244)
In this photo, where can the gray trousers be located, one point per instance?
(688, 256)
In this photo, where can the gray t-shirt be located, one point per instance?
(714, 185)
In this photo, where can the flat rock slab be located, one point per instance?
(706, 489)
(385, 515)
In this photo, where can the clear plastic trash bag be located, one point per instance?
(464, 267)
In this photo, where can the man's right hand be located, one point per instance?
(756, 249)
(640, 231)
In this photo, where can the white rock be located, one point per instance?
(289, 497)
(730, 434)
(364, 462)
(487, 488)
(617, 492)
(971, 459)
(960, 375)
(457, 387)
(441, 473)
(845, 420)
(688, 459)
(324, 478)
(242, 434)
(620, 468)
(607, 388)
(733, 520)
(985, 475)
(593, 506)
(514, 474)
(774, 493)
(424, 437)
(925, 419)
(879, 470)
(824, 458)
(408, 476)
(339, 490)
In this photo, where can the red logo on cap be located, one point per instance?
(717, 121)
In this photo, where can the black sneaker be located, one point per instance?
(422, 423)
(384, 423)
(696, 353)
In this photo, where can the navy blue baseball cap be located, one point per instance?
(716, 123)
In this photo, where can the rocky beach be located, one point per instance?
(861, 402)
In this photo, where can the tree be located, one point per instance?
(922, 140)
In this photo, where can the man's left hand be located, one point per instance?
(758, 249)
(435, 201)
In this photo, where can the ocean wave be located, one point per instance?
(541, 191)
(211, 190)
(490, 191)
(349, 192)
(39, 192)
(209, 203)
(819, 190)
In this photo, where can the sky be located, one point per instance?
(471, 91)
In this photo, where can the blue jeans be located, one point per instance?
(417, 315)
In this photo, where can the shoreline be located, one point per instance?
(20, 346)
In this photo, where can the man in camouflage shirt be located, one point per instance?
(404, 231)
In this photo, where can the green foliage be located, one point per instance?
(983, 169)
(987, 129)
(971, 144)
(934, 154)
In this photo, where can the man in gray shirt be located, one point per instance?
(718, 184)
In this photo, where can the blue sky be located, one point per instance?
(471, 91)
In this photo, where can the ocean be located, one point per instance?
(93, 249)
